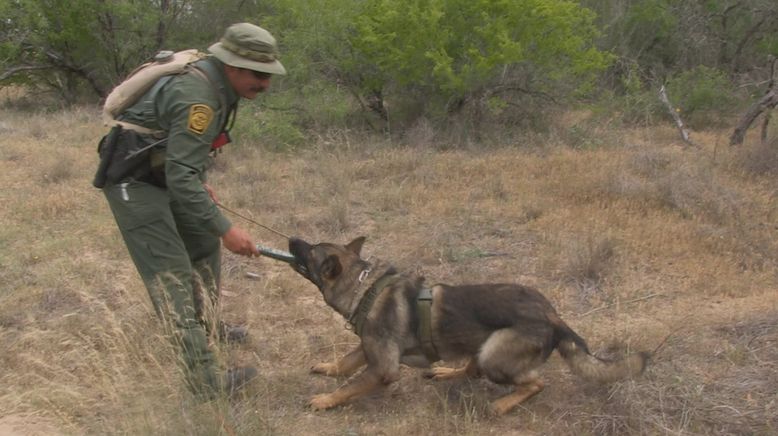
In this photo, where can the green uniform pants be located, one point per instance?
(170, 253)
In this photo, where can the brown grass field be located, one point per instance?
(636, 240)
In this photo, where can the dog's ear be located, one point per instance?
(356, 245)
(331, 267)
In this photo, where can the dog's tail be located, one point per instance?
(590, 367)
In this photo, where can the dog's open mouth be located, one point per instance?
(296, 249)
(301, 269)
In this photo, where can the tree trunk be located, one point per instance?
(766, 103)
(769, 101)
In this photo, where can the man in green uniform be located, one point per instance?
(164, 209)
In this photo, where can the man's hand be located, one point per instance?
(239, 241)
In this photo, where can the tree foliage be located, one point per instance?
(665, 37)
(452, 51)
(431, 58)
(61, 44)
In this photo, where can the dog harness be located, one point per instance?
(424, 331)
(423, 310)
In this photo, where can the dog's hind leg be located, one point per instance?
(527, 387)
(444, 373)
(345, 366)
(510, 357)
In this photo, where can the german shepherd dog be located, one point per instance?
(506, 330)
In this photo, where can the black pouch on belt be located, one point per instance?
(122, 154)
(130, 159)
(106, 149)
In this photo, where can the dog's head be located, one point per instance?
(327, 264)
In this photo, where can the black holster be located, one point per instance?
(106, 150)
(121, 157)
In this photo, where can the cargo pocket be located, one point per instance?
(164, 265)
(136, 204)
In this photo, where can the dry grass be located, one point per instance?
(632, 236)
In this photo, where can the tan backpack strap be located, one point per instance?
(139, 129)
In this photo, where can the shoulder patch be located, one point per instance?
(200, 116)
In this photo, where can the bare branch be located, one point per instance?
(21, 68)
(676, 117)
(508, 88)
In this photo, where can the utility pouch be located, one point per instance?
(106, 150)
(123, 154)
(131, 158)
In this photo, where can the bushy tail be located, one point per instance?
(575, 352)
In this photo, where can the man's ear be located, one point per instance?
(356, 245)
(331, 267)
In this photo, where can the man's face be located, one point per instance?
(247, 83)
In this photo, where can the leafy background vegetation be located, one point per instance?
(457, 67)
(471, 142)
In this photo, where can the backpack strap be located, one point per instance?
(162, 81)
(202, 70)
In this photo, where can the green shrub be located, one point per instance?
(272, 129)
(702, 95)
(632, 100)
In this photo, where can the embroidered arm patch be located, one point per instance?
(200, 116)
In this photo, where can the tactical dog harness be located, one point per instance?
(423, 309)
(424, 332)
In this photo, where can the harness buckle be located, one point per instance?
(363, 275)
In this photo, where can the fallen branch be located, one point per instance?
(765, 104)
(678, 122)
(617, 303)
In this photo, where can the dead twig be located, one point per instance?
(662, 343)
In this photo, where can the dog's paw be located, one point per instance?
(443, 373)
(498, 408)
(324, 369)
(323, 401)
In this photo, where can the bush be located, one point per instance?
(703, 96)
(760, 159)
(632, 100)
(273, 129)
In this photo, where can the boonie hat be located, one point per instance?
(245, 45)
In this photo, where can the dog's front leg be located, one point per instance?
(383, 368)
(366, 382)
(345, 366)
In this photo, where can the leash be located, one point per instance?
(272, 253)
(284, 235)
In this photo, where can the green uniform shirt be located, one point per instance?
(191, 111)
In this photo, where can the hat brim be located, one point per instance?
(234, 60)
